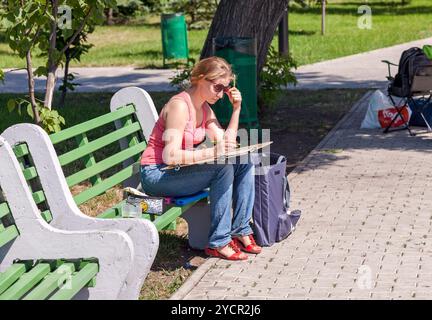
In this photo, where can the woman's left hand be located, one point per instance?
(235, 97)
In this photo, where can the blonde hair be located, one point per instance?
(211, 69)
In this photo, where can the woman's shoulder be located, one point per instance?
(178, 99)
(176, 106)
(177, 103)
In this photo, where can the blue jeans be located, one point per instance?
(228, 183)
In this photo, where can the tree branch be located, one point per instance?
(38, 28)
(77, 32)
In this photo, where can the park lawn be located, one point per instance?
(139, 44)
(392, 24)
(298, 123)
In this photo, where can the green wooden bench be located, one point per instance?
(38, 261)
(101, 153)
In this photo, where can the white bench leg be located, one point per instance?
(198, 219)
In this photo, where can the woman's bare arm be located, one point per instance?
(176, 118)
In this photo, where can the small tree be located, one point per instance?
(34, 24)
(276, 74)
(74, 52)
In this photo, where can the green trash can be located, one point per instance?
(241, 53)
(174, 37)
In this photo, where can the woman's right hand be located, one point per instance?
(224, 146)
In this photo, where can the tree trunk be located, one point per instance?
(50, 86)
(30, 79)
(109, 17)
(323, 16)
(52, 65)
(283, 35)
(246, 18)
(65, 79)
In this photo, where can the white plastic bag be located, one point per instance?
(377, 101)
(381, 112)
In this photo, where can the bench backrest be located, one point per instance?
(8, 229)
(23, 156)
(31, 266)
(92, 151)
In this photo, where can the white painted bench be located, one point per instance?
(25, 237)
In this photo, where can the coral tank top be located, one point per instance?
(191, 136)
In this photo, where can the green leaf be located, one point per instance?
(11, 104)
(30, 110)
(40, 71)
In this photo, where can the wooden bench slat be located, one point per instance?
(88, 160)
(4, 210)
(78, 281)
(91, 124)
(133, 140)
(38, 196)
(104, 185)
(21, 150)
(12, 274)
(8, 234)
(26, 282)
(112, 212)
(52, 281)
(30, 173)
(170, 215)
(97, 144)
(47, 216)
(105, 164)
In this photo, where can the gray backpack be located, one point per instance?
(272, 219)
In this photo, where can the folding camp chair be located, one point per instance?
(419, 85)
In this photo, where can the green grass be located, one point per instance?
(391, 24)
(140, 44)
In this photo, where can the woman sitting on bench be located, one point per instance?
(183, 123)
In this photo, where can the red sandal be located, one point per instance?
(251, 248)
(237, 255)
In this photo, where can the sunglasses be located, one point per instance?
(218, 87)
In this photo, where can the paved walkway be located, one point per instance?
(104, 79)
(365, 231)
(363, 70)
